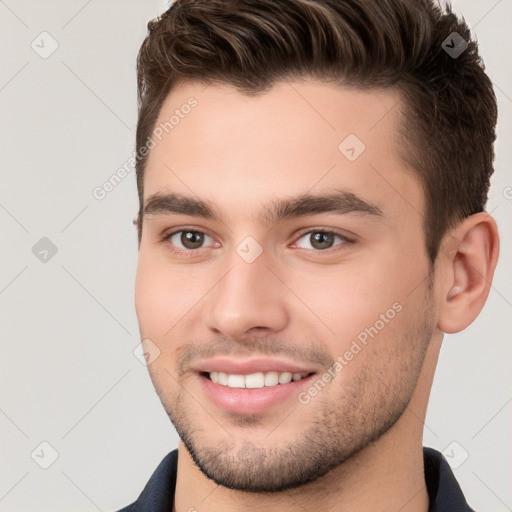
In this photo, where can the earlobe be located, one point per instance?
(470, 256)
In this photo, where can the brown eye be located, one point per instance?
(320, 240)
(191, 239)
(187, 239)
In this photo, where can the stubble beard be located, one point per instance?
(367, 406)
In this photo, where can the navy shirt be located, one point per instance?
(444, 492)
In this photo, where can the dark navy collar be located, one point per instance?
(445, 494)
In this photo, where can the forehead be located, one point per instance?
(239, 151)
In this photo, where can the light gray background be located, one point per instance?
(68, 373)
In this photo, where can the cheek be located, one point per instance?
(156, 297)
(165, 293)
(160, 304)
(348, 298)
(150, 296)
(365, 307)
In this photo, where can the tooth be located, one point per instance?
(285, 377)
(271, 378)
(236, 381)
(254, 380)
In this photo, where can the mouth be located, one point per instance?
(252, 386)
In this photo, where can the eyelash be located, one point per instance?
(345, 241)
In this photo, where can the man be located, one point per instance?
(312, 179)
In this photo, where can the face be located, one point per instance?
(282, 285)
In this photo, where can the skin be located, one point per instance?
(357, 445)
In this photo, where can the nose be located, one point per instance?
(247, 301)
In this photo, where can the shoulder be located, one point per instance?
(445, 494)
(158, 493)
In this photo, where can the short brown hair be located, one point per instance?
(451, 111)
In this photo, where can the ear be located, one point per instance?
(468, 257)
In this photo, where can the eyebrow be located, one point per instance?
(340, 202)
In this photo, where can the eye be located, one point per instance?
(321, 240)
(188, 239)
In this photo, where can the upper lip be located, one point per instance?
(248, 366)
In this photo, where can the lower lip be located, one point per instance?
(253, 400)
